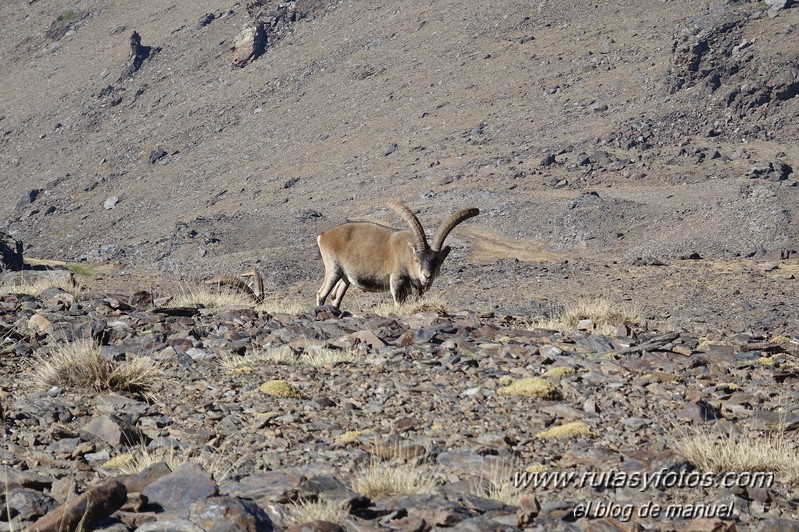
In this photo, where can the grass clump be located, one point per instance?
(531, 387)
(497, 483)
(259, 357)
(35, 287)
(427, 303)
(280, 388)
(209, 297)
(567, 430)
(276, 304)
(315, 356)
(308, 510)
(386, 479)
(80, 366)
(140, 457)
(605, 315)
(722, 452)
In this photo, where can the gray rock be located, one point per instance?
(171, 523)
(776, 5)
(112, 430)
(110, 202)
(11, 258)
(228, 514)
(177, 490)
(28, 504)
(250, 44)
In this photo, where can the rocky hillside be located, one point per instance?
(237, 419)
(637, 154)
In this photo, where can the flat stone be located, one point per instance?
(177, 490)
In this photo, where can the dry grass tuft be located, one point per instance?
(530, 387)
(606, 315)
(275, 304)
(78, 365)
(496, 482)
(210, 297)
(386, 479)
(307, 510)
(322, 356)
(216, 462)
(35, 287)
(721, 453)
(429, 302)
(314, 356)
(280, 388)
(260, 357)
(345, 438)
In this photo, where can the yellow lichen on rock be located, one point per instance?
(531, 387)
(567, 430)
(558, 371)
(118, 461)
(280, 388)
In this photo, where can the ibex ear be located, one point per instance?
(444, 252)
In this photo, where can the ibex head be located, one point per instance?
(378, 258)
(428, 259)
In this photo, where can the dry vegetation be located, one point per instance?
(722, 452)
(604, 314)
(218, 297)
(393, 477)
(79, 365)
(35, 287)
(217, 462)
(314, 356)
(385, 306)
(307, 510)
(496, 482)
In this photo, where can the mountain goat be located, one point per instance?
(376, 258)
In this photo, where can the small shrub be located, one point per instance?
(558, 371)
(67, 16)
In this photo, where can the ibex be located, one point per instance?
(376, 258)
